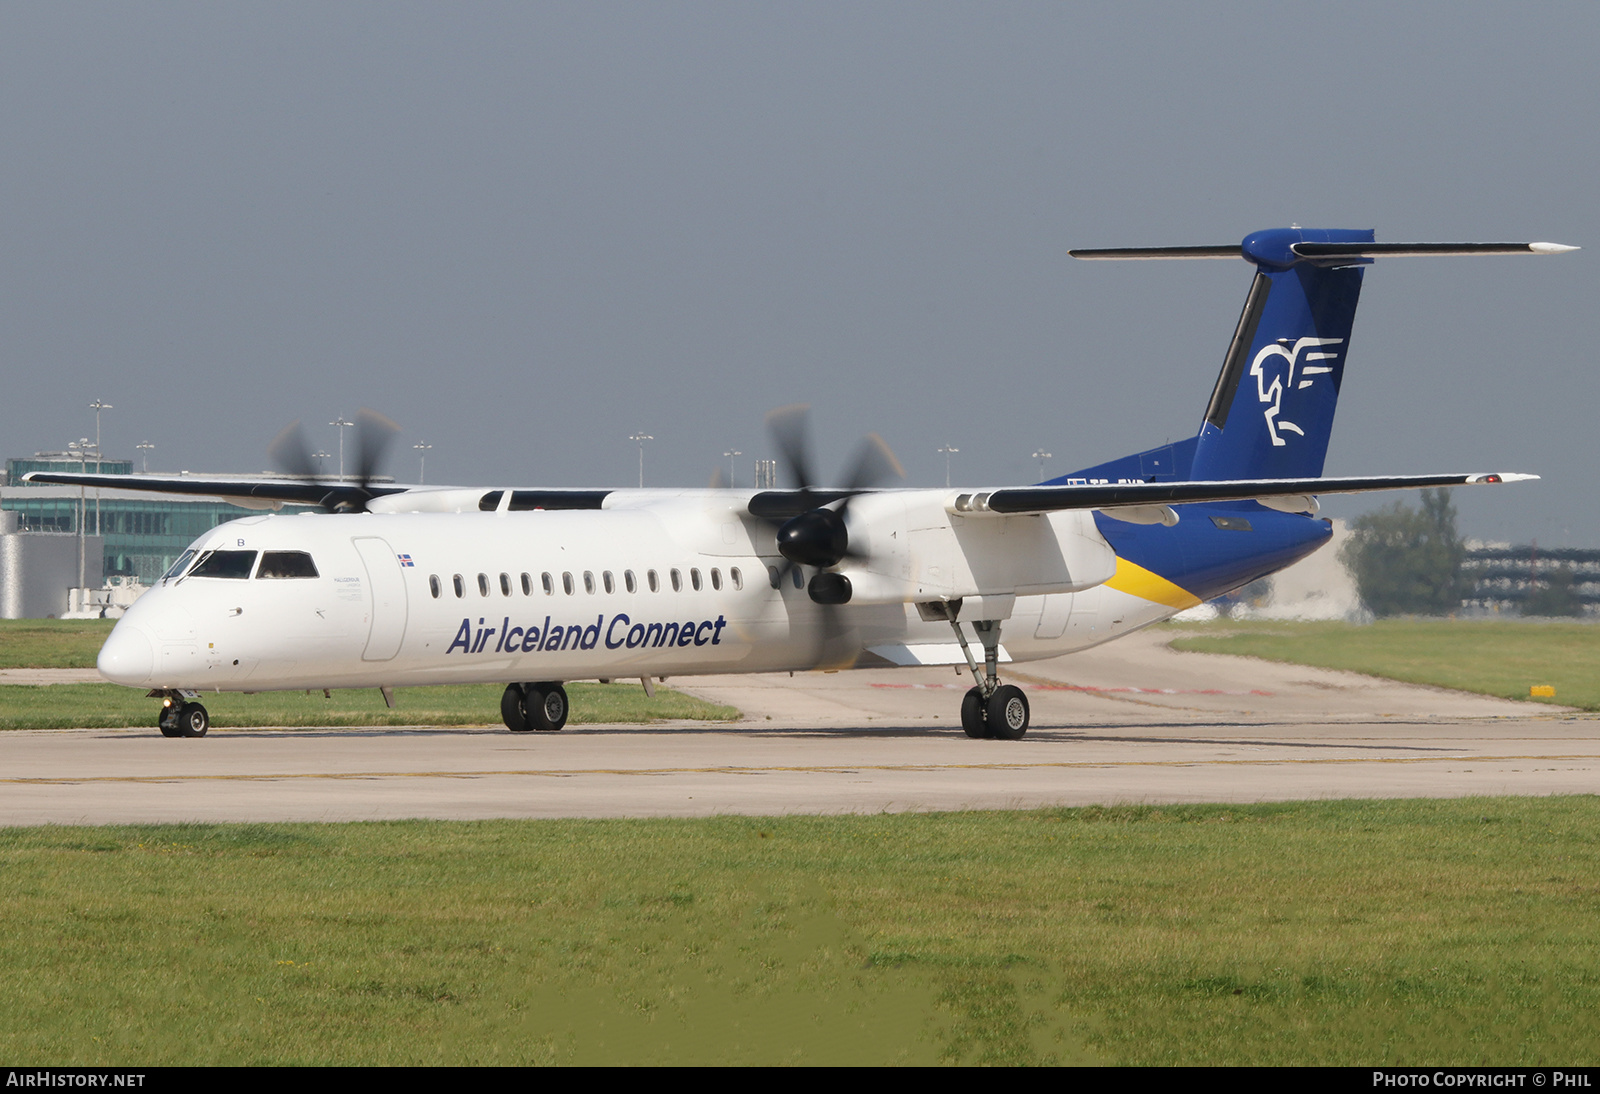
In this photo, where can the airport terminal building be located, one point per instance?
(125, 533)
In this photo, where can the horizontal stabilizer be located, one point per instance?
(1232, 251)
(1109, 496)
(1323, 252)
(1387, 250)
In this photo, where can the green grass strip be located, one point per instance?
(1489, 658)
(1372, 933)
(106, 706)
(52, 643)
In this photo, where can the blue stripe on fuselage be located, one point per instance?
(1207, 560)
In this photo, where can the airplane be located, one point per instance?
(392, 586)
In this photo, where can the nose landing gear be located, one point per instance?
(182, 716)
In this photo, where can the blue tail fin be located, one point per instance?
(1271, 413)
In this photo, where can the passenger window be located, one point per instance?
(799, 578)
(461, 587)
(527, 584)
(433, 585)
(773, 576)
(655, 582)
(483, 584)
(566, 582)
(588, 582)
(677, 582)
(549, 586)
(694, 578)
(505, 584)
(627, 580)
(610, 582)
(716, 578)
(286, 564)
(737, 578)
(230, 564)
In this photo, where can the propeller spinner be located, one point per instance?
(818, 535)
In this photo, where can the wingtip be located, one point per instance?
(1551, 248)
(1502, 476)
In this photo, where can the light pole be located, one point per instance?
(97, 406)
(731, 453)
(948, 450)
(422, 456)
(640, 438)
(319, 457)
(145, 449)
(341, 423)
(1041, 455)
(81, 445)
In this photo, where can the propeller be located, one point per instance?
(809, 523)
(374, 434)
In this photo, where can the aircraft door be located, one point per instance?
(388, 603)
(1054, 615)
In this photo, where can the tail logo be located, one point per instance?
(1296, 376)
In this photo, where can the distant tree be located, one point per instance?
(1405, 560)
(1553, 595)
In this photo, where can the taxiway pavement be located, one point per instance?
(1133, 721)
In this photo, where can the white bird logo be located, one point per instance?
(1273, 394)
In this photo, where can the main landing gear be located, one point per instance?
(529, 708)
(991, 709)
(182, 717)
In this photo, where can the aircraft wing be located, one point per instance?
(1112, 496)
(252, 492)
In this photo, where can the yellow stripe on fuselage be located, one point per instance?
(1137, 581)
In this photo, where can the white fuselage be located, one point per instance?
(654, 584)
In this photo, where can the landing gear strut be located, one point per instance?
(529, 708)
(991, 709)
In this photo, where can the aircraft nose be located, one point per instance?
(128, 657)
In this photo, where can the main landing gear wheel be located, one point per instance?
(526, 708)
(973, 719)
(546, 707)
(512, 710)
(1007, 711)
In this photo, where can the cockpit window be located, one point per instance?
(177, 567)
(232, 564)
(286, 564)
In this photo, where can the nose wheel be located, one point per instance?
(534, 708)
(184, 719)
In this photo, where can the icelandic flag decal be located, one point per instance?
(405, 560)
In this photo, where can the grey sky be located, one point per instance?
(526, 231)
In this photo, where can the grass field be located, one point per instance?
(1396, 932)
(106, 706)
(52, 643)
(1487, 657)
